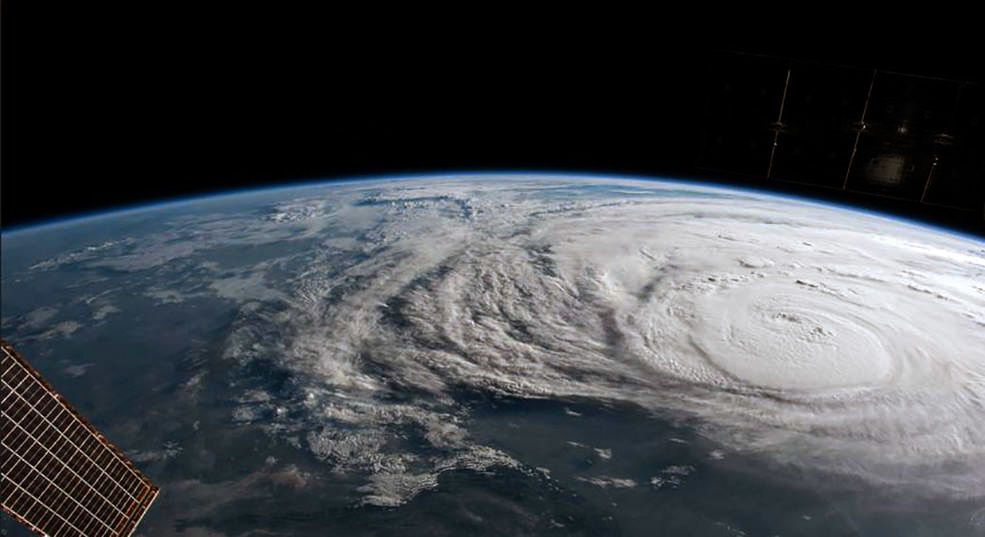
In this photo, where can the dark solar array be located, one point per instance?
(59, 475)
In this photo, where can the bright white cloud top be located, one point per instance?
(815, 335)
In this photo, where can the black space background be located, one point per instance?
(113, 106)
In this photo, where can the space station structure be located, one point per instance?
(60, 477)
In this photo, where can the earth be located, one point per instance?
(518, 355)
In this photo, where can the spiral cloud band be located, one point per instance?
(812, 335)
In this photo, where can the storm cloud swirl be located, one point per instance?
(814, 336)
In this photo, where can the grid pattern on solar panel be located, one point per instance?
(59, 475)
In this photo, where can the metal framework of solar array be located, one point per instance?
(866, 131)
(60, 477)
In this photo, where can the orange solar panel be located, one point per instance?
(60, 477)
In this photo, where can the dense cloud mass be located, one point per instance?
(816, 337)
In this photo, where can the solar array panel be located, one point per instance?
(60, 477)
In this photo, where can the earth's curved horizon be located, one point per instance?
(519, 354)
(163, 203)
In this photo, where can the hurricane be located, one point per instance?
(814, 337)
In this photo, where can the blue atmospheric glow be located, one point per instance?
(517, 174)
